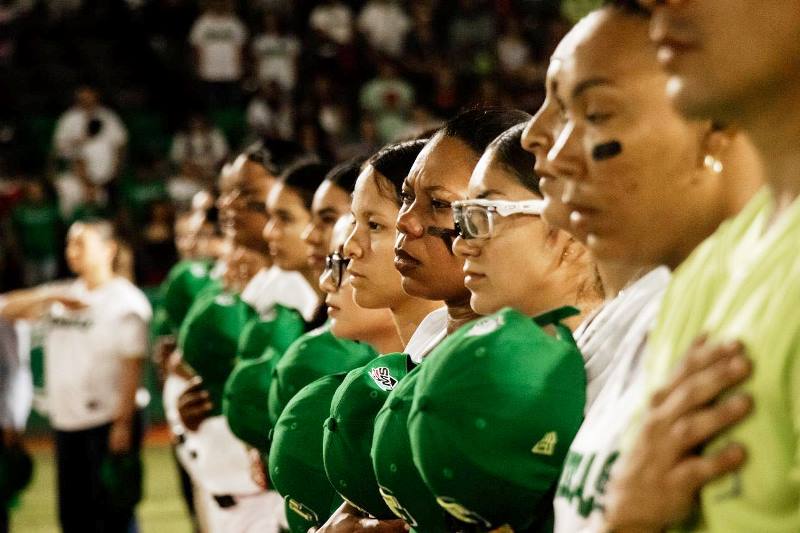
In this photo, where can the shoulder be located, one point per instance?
(129, 299)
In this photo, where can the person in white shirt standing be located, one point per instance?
(218, 38)
(96, 339)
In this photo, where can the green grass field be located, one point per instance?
(161, 510)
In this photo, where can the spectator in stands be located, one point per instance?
(270, 113)
(93, 133)
(218, 37)
(388, 98)
(200, 145)
(275, 53)
(333, 20)
(384, 24)
(37, 227)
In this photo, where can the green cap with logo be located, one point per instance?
(348, 431)
(295, 458)
(496, 407)
(399, 481)
(315, 354)
(184, 282)
(278, 328)
(245, 399)
(209, 337)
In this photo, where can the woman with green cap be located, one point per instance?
(429, 270)
(477, 399)
(295, 457)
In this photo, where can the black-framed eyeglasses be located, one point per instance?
(336, 264)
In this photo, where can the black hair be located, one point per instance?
(478, 127)
(104, 227)
(277, 155)
(507, 150)
(393, 163)
(628, 6)
(304, 178)
(344, 175)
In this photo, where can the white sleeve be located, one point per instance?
(117, 130)
(131, 336)
(65, 134)
(196, 33)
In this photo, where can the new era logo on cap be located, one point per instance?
(546, 445)
(383, 378)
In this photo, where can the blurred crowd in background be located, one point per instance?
(127, 108)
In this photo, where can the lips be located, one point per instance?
(472, 278)
(405, 262)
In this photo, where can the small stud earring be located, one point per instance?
(713, 164)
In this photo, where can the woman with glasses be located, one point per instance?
(428, 269)
(296, 463)
(642, 186)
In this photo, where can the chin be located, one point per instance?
(366, 300)
(343, 330)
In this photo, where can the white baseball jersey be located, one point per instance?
(84, 350)
(430, 332)
(622, 337)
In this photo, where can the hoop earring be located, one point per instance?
(713, 164)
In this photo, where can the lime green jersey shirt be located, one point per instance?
(744, 283)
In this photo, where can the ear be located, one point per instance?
(716, 141)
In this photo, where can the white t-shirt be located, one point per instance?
(581, 490)
(385, 26)
(275, 57)
(430, 332)
(602, 332)
(219, 40)
(100, 156)
(84, 351)
(205, 149)
(275, 286)
(71, 130)
(335, 21)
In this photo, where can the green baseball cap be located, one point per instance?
(278, 329)
(208, 340)
(16, 471)
(315, 354)
(399, 481)
(245, 399)
(348, 431)
(295, 458)
(184, 282)
(496, 407)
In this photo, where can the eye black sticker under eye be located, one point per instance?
(446, 234)
(604, 151)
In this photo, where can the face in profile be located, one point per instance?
(725, 56)
(370, 244)
(242, 202)
(330, 203)
(288, 217)
(630, 165)
(517, 264)
(425, 228)
(348, 319)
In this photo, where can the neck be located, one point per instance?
(616, 276)
(459, 313)
(311, 275)
(775, 131)
(385, 340)
(97, 277)
(408, 313)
